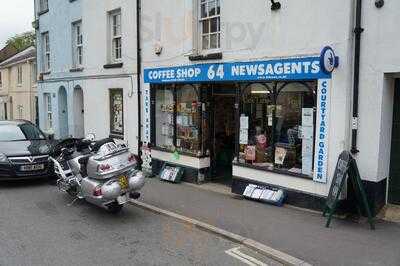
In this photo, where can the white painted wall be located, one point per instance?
(380, 61)
(94, 80)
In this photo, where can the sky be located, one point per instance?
(16, 17)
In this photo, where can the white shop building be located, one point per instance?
(240, 96)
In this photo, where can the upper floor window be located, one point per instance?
(43, 5)
(34, 73)
(77, 44)
(116, 35)
(1, 80)
(46, 51)
(19, 75)
(210, 24)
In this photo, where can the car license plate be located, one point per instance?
(122, 199)
(34, 167)
(123, 182)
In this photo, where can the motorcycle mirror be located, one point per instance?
(91, 136)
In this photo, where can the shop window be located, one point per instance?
(188, 120)
(178, 127)
(164, 101)
(256, 123)
(116, 113)
(277, 126)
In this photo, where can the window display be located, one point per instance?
(275, 123)
(278, 121)
(295, 125)
(256, 125)
(178, 126)
(187, 120)
(165, 117)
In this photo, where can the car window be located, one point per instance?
(20, 132)
(31, 132)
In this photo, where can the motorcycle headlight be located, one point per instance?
(3, 158)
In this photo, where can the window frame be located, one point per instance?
(198, 89)
(19, 75)
(276, 88)
(208, 19)
(43, 6)
(46, 52)
(114, 133)
(34, 72)
(48, 110)
(115, 35)
(77, 44)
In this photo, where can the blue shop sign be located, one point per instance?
(306, 68)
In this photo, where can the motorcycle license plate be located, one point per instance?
(123, 182)
(122, 199)
(34, 167)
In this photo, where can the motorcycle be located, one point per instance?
(102, 172)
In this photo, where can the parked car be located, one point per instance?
(24, 151)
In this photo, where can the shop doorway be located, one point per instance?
(394, 180)
(223, 133)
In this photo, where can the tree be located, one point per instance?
(22, 41)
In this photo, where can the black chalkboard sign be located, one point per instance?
(338, 180)
(346, 167)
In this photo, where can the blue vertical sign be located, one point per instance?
(322, 133)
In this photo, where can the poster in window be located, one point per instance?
(244, 136)
(117, 117)
(308, 140)
(244, 122)
(250, 153)
(280, 155)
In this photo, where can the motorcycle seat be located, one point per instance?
(97, 145)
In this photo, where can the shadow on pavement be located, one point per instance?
(23, 184)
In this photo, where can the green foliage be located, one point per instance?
(22, 41)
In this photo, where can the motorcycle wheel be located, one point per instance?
(114, 208)
(73, 192)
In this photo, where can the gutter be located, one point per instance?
(139, 72)
(22, 61)
(358, 30)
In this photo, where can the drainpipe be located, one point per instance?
(357, 50)
(139, 72)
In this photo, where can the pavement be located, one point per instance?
(300, 233)
(39, 227)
